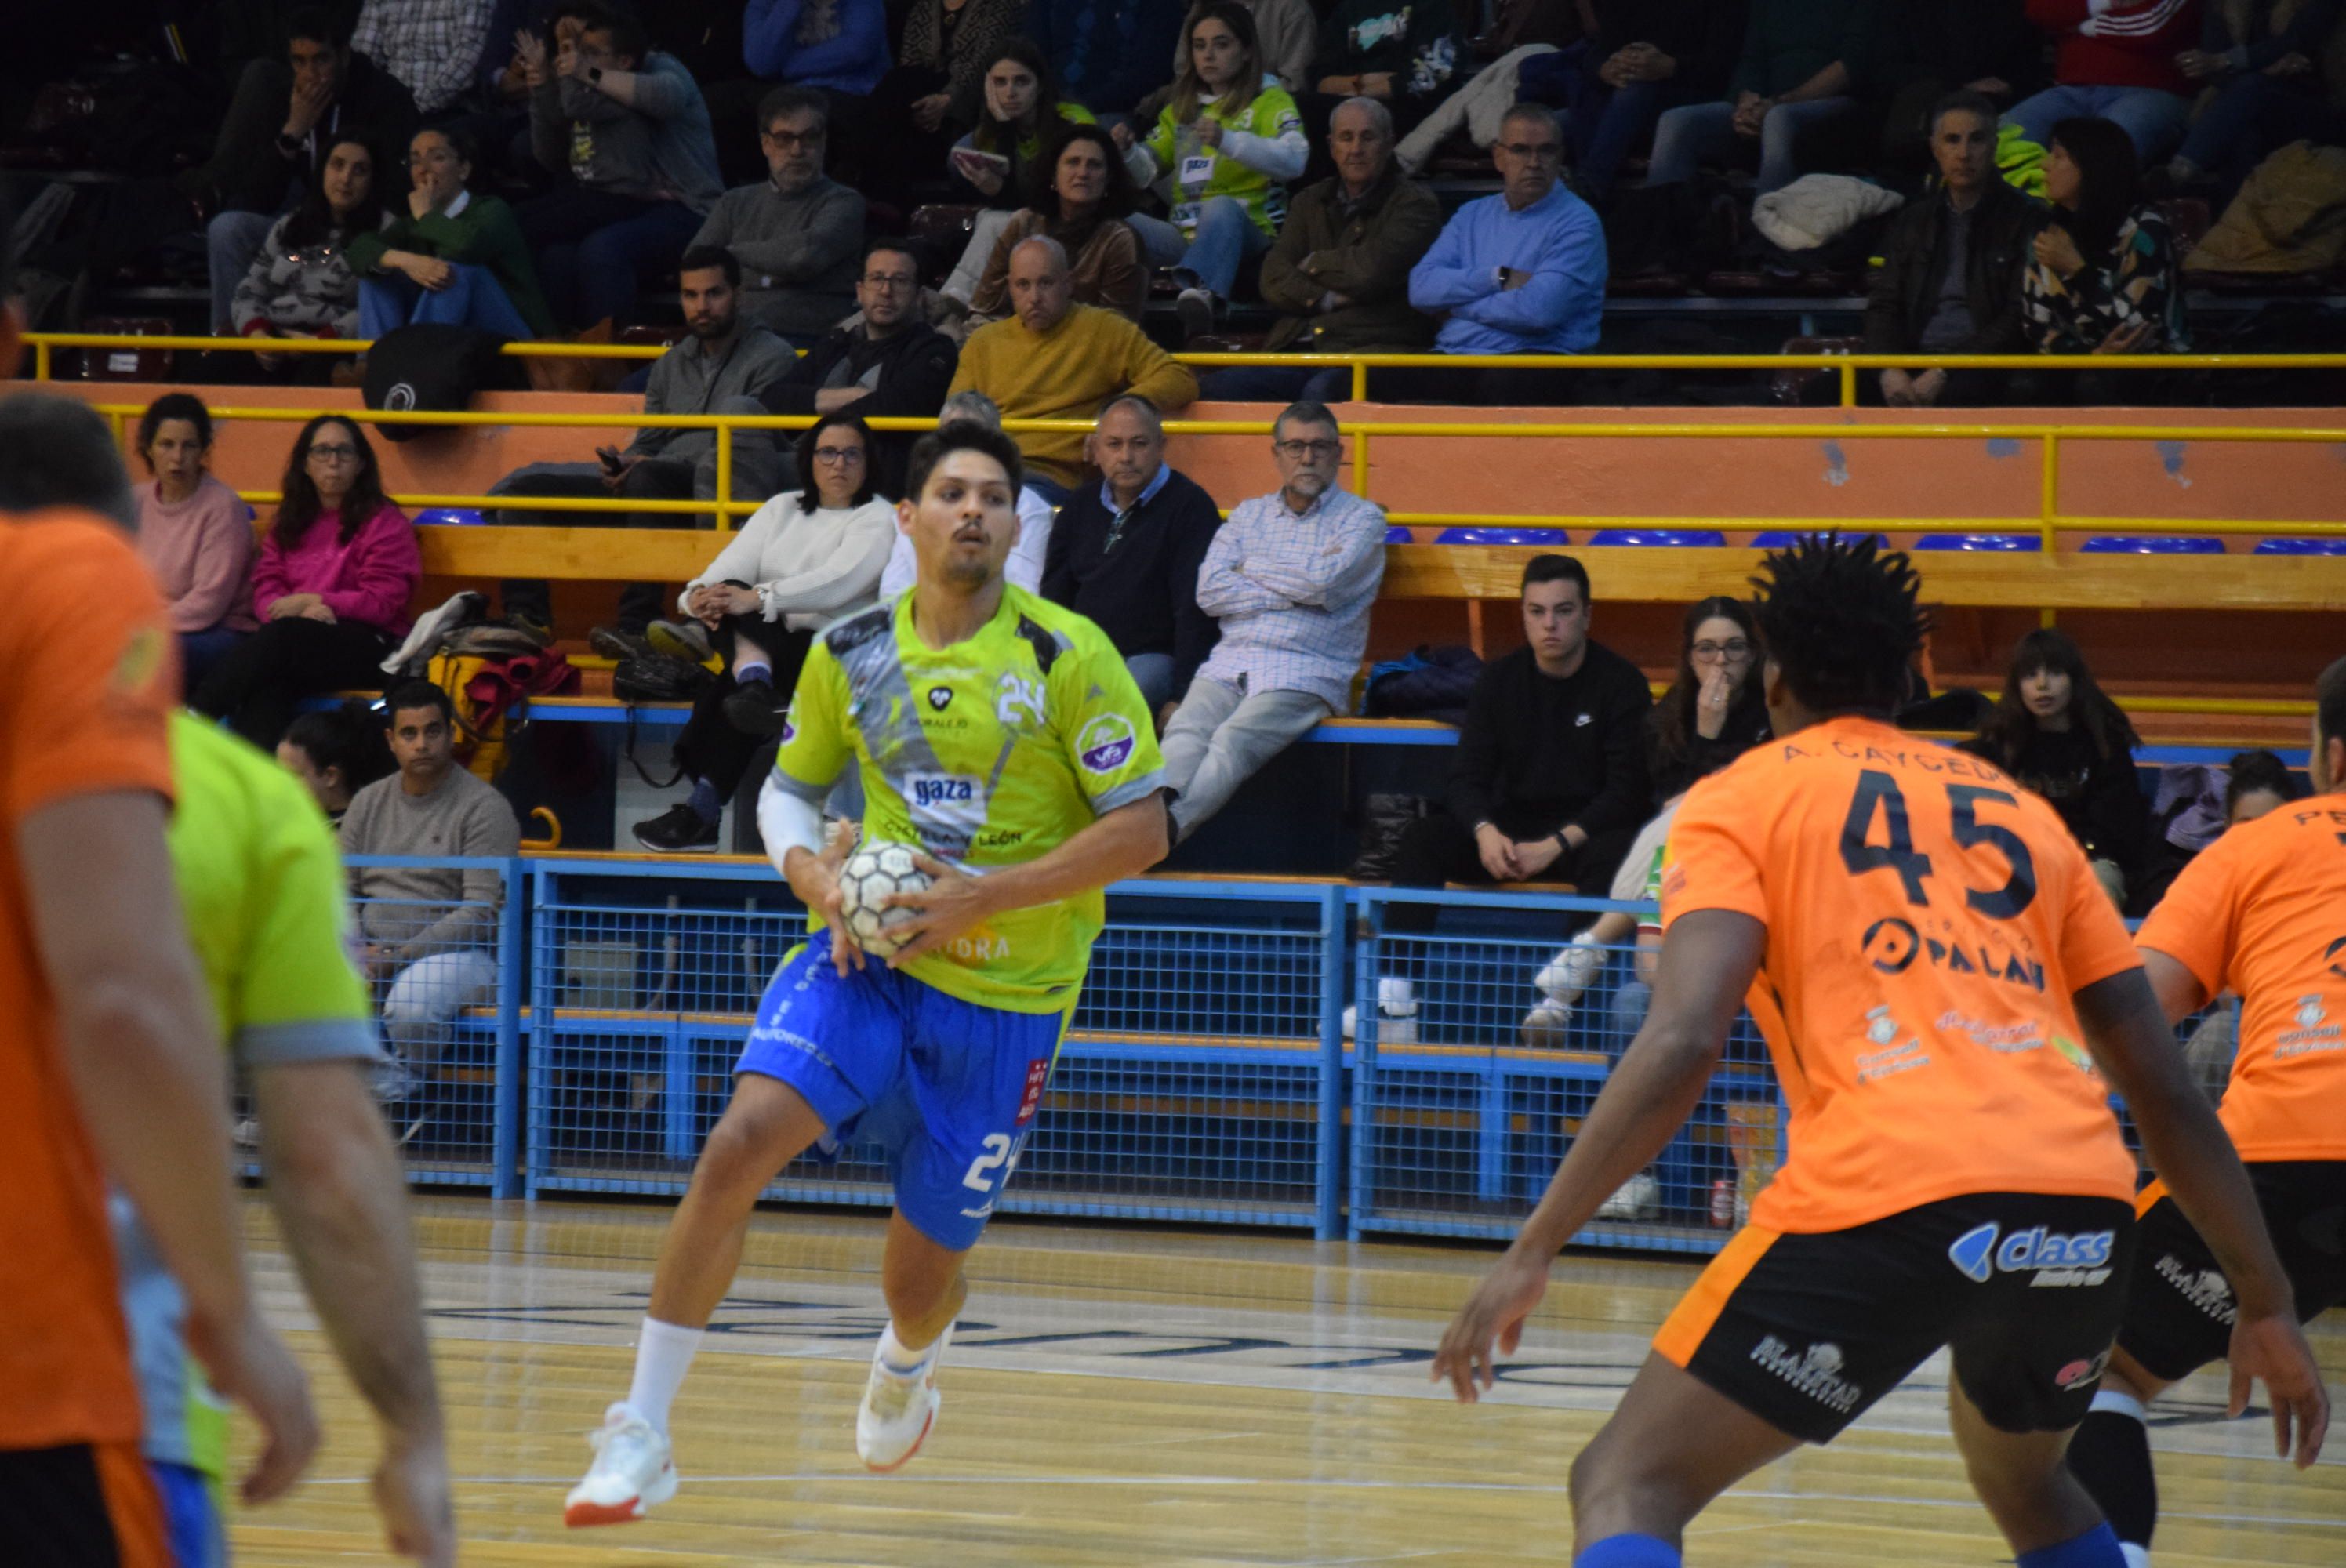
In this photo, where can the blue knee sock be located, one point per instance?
(1630, 1552)
(753, 669)
(704, 801)
(2097, 1548)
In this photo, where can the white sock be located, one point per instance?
(2118, 1403)
(896, 1358)
(663, 1355)
(2136, 1557)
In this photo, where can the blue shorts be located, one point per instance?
(191, 1514)
(947, 1087)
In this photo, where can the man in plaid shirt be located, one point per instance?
(1290, 577)
(433, 46)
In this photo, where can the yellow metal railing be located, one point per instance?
(1846, 367)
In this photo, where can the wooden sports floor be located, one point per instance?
(1121, 1396)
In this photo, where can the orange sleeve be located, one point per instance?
(2093, 940)
(1709, 863)
(2193, 924)
(89, 666)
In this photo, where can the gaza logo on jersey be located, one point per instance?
(1105, 744)
(2056, 1259)
(934, 789)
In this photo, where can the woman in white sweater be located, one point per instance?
(805, 559)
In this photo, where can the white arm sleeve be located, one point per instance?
(787, 822)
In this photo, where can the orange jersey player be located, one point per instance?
(1943, 986)
(2262, 913)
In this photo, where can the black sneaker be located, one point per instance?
(757, 709)
(613, 643)
(676, 831)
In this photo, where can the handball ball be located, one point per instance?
(871, 874)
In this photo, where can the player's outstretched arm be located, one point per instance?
(1707, 964)
(342, 1199)
(1118, 844)
(2178, 990)
(147, 1072)
(2127, 1030)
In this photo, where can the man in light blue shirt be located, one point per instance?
(1522, 272)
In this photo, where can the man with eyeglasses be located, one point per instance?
(1290, 577)
(796, 231)
(891, 364)
(1522, 272)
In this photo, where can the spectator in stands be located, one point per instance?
(274, 140)
(840, 47)
(2103, 277)
(336, 752)
(1055, 358)
(2056, 731)
(330, 587)
(1406, 57)
(2259, 64)
(721, 368)
(1287, 31)
(1084, 207)
(1645, 58)
(1715, 710)
(1126, 555)
(2114, 60)
(1107, 54)
(1801, 65)
(1027, 552)
(455, 254)
(1022, 109)
(430, 932)
(805, 559)
(1549, 778)
(1522, 272)
(1932, 49)
(2256, 784)
(890, 364)
(195, 535)
(432, 47)
(796, 232)
(934, 91)
(1226, 146)
(1340, 270)
(1290, 577)
(626, 133)
(1950, 280)
(301, 284)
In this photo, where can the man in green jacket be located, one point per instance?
(1340, 269)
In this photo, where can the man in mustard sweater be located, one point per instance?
(1054, 359)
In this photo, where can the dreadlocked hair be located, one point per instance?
(1841, 621)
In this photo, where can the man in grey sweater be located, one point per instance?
(627, 133)
(721, 368)
(797, 233)
(430, 932)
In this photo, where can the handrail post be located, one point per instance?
(724, 476)
(41, 351)
(1360, 464)
(1848, 386)
(2049, 507)
(1359, 380)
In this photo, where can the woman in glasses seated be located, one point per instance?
(1713, 712)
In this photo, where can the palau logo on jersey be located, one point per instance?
(939, 695)
(2054, 1259)
(1105, 744)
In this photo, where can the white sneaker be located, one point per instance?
(1641, 1197)
(632, 1470)
(1547, 1027)
(898, 1410)
(1572, 971)
(1396, 1012)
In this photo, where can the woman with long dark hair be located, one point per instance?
(2057, 732)
(1081, 196)
(330, 587)
(336, 752)
(455, 255)
(304, 284)
(1714, 711)
(805, 559)
(1023, 110)
(195, 534)
(2104, 277)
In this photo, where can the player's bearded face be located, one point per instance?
(966, 521)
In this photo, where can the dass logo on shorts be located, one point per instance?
(1815, 1372)
(2056, 1259)
(1105, 744)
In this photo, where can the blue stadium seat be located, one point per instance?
(449, 517)
(1778, 538)
(1397, 535)
(1685, 536)
(2152, 545)
(2023, 544)
(2333, 547)
(1501, 536)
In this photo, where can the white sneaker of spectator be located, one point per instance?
(1640, 1198)
(1396, 1013)
(1571, 972)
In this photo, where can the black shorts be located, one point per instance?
(2179, 1309)
(81, 1506)
(1807, 1330)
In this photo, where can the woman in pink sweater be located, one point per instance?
(195, 535)
(330, 587)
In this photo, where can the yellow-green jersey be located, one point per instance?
(990, 753)
(260, 890)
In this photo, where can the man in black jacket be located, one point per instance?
(279, 126)
(1950, 274)
(1126, 554)
(1549, 778)
(892, 366)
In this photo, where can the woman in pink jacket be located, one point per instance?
(330, 587)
